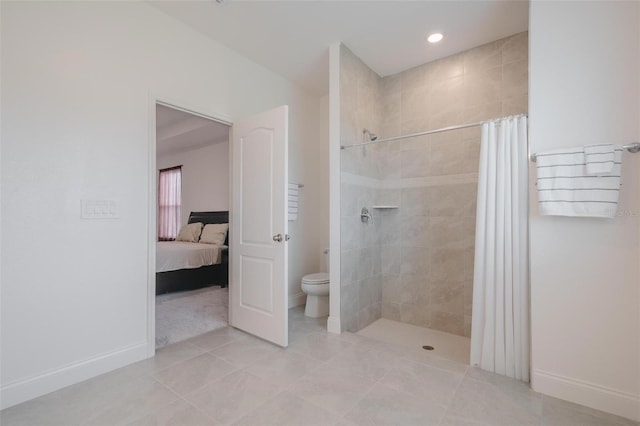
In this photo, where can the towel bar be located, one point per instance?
(632, 148)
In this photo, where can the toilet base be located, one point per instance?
(316, 306)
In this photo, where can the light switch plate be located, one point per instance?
(99, 209)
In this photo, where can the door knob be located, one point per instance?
(277, 237)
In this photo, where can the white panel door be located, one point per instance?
(258, 281)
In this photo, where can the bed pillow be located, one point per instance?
(214, 233)
(190, 232)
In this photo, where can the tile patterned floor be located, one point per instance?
(227, 377)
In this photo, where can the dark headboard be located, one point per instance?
(211, 217)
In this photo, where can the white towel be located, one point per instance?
(565, 188)
(293, 200)
(599, 158)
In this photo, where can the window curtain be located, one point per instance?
(500, 318)
(169, 203)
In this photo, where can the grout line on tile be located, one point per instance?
(193, 390)
(453, 397)
(274, 396)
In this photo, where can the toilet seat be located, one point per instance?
(316, 287)
(315, 279)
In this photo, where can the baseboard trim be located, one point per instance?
(333, 325)
(592, 395)
(297, 300)
(33, 387)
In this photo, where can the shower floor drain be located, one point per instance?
(427, 347)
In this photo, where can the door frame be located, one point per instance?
(152, 201)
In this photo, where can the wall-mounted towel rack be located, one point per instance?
(632, 148)
(293, 200)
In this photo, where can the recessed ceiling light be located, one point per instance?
(434, 38)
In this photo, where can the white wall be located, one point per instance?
(335, 229)
(585, 273)
(310, 232)
(205, 177)
(322, 174)
(77, 79)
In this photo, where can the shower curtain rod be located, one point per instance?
(428, 132)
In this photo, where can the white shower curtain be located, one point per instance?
(500, 320)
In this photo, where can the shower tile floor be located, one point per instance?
(227, 377)
(446, 345)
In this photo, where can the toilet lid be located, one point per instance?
(319, 278)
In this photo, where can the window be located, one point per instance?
(169, 203)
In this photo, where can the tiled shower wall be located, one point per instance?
(420, 254)
(360, 275)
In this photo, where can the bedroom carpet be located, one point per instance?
(189, 313)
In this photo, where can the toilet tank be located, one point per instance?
(326, 260)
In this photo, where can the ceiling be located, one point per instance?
(292, 37)
(180, 131)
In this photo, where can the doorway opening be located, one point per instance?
(255, 231)
(192, 201)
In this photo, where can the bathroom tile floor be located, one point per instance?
(229, 377)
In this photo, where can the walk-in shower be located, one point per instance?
(413, 263)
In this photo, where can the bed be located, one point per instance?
(178, 263)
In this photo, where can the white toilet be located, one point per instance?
(316, 287)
